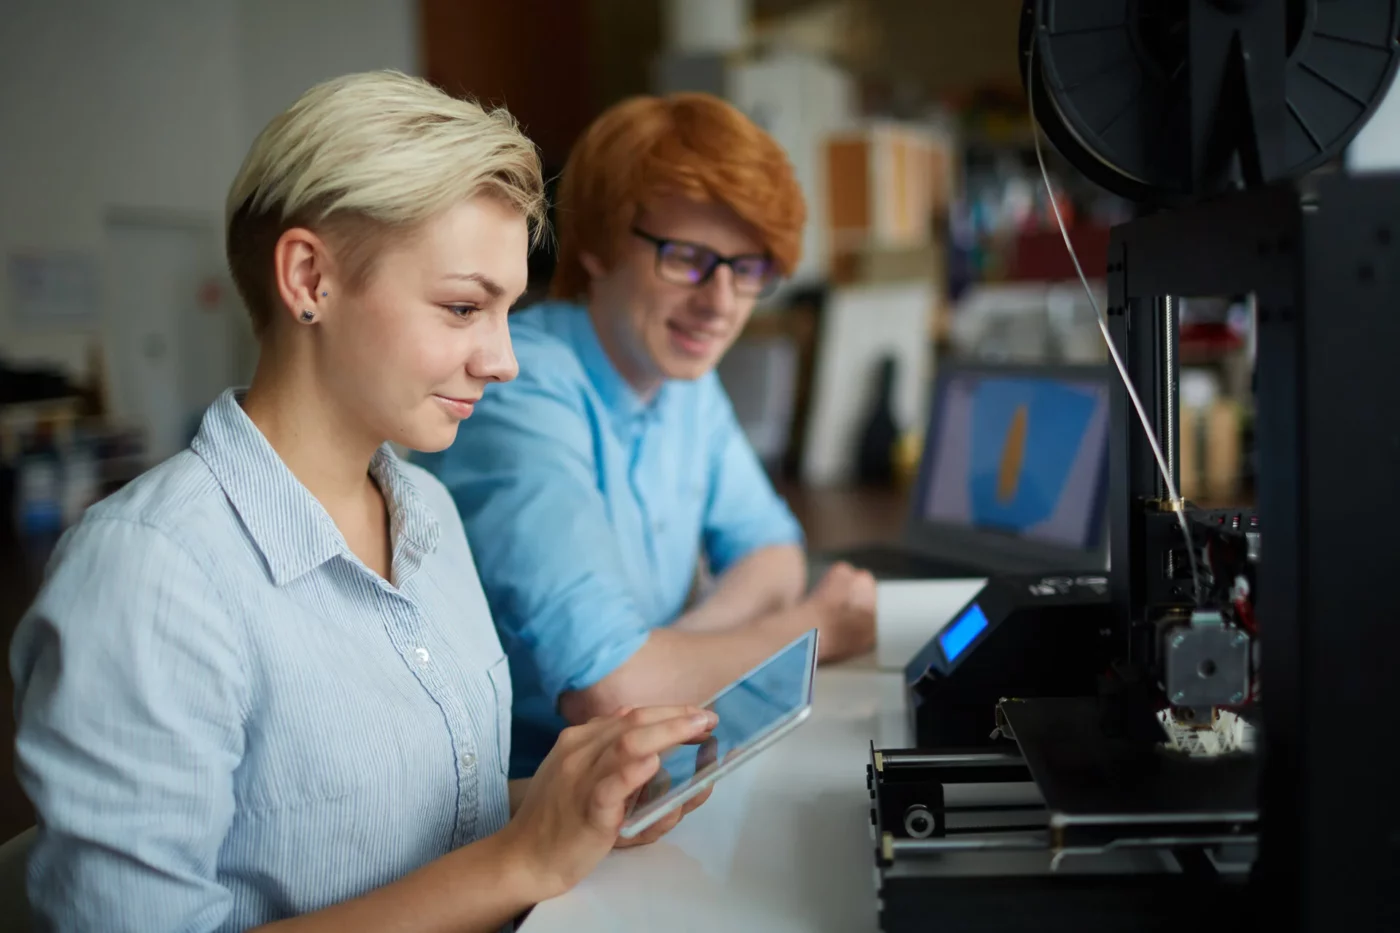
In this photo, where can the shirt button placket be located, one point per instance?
(468, 781)
(458, 723)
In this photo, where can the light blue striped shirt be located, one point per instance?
(225, 718)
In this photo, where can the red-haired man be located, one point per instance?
(592, 484)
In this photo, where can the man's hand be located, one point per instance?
(844, 601)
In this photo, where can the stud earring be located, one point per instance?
(308, 316)
(324, 294)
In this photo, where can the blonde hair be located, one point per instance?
(363, 155)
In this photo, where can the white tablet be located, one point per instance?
(754, 712)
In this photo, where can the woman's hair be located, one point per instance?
(692, 145)
(366, 155)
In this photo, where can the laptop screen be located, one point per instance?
(1021, 454)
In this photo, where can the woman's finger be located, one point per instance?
(646, 715)
(594, 744)
(707, 753)
(655, 787)
(645, 740)
(619, 782)
(634, 760)
(654, 832)
(696, 801)
(601, 729)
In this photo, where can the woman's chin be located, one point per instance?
(428, 439)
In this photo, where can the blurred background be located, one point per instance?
(930, 239)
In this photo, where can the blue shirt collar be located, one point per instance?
(289, 526)
(629, 410)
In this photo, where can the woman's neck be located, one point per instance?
(328, 453)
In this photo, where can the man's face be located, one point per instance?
(666, 309)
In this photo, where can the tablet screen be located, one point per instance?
(749, 709)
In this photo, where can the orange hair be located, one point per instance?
(692, 145)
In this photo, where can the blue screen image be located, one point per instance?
(1019, 455)
(1056, 419)
(961, 631)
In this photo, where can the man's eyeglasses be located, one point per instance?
(682, 263)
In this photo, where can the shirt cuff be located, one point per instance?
(736, 549)
(591, 668)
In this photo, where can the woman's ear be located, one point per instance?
(301, 263)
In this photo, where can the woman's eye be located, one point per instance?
(462, 310)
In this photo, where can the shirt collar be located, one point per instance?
(413, 528)
(291, 529)
(628, 409)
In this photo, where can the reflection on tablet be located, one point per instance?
(749, 710)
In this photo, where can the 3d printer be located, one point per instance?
(1231, 765)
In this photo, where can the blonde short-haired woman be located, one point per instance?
(261, 683)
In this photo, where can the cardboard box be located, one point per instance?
(1211, 456)
(885, 183)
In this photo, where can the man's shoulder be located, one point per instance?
(543, 338)
(552, 387)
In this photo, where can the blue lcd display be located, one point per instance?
(961, 631)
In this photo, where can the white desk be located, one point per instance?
(782, 845)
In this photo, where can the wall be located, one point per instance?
(108, 105)
(532, 56)
(150, 104)
(1377, 147)
(625, 38)
(285, 46)
(948, 46)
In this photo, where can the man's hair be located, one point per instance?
(366, 155)
(692, 145)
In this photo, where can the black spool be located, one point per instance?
(1165, 102)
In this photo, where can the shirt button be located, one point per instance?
(468, 760)
(422, 655)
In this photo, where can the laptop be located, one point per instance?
(1013, 477)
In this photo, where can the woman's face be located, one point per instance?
(413, 350)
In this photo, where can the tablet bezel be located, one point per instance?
(643, 817)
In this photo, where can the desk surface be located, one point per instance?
(782, 845)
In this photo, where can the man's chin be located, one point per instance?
(685, 367)
(687, 370)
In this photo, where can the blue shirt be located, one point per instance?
(226, 718)
(590, 510)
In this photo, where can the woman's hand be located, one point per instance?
(574, 807)
(706, 756)
(667, 823)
